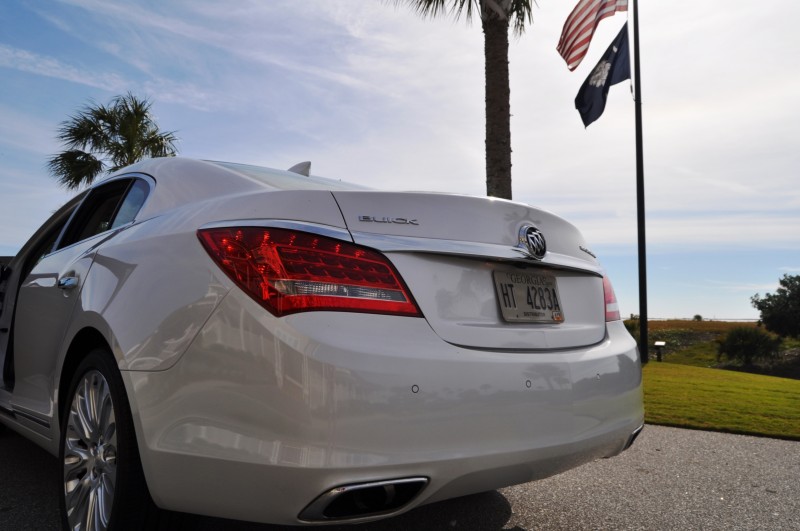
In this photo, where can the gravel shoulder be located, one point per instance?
(671, 479)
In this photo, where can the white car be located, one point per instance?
(262, 345)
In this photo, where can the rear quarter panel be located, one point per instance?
(153, 285)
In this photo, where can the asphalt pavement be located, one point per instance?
(670, 479)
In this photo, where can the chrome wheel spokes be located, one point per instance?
(90, 455)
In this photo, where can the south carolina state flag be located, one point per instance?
(614, 66)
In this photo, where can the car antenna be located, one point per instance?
(303, 168)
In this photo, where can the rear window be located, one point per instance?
(287, 180)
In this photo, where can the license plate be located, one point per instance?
(526, 297)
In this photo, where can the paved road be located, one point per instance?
(670, 479)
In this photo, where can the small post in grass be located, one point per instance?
(659, 345)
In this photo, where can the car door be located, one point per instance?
(48, 296)
(40, 244)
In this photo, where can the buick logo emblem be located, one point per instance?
(531, 240)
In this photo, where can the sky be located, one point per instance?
(375, 95)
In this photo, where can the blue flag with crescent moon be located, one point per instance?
(614, 66)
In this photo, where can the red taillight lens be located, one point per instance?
(612, 307)
(289, 271)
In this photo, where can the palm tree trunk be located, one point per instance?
(498, 108)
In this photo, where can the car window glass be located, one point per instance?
(46, 247)
(42, 248)
(132, 203)
(96, 213)
(100, 219)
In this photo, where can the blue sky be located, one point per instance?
(372, 94)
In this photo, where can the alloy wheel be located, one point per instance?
(90, 454)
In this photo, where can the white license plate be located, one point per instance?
(527, 297)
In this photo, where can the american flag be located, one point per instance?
(580, 25)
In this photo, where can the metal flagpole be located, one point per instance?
(640, 217)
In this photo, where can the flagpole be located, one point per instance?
(640, 217)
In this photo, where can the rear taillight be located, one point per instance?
(612, 308)
(288, 271)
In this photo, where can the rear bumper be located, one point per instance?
(262, 416)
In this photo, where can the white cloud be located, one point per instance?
(374, 94)
(748, 288)
(28, 199)
(21, 131)
(748, 231)
(27, 61)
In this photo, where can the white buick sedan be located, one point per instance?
(263, 345)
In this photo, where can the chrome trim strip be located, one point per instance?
(28, 416)
(503, 253)
(304, 226)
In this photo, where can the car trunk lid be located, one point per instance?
(468, 264)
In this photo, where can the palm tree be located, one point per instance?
(103, 139)
(496, 17)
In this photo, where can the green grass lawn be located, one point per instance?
(712, 399)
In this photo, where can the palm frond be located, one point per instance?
(82, 131)
(75, 168)
(521, 13)
(106, 138)
(437, 8)
(518, 12)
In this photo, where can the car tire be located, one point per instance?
(102, 483)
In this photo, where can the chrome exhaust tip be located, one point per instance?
(363, 500)
(633, 437)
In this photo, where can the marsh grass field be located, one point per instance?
(691, 388)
